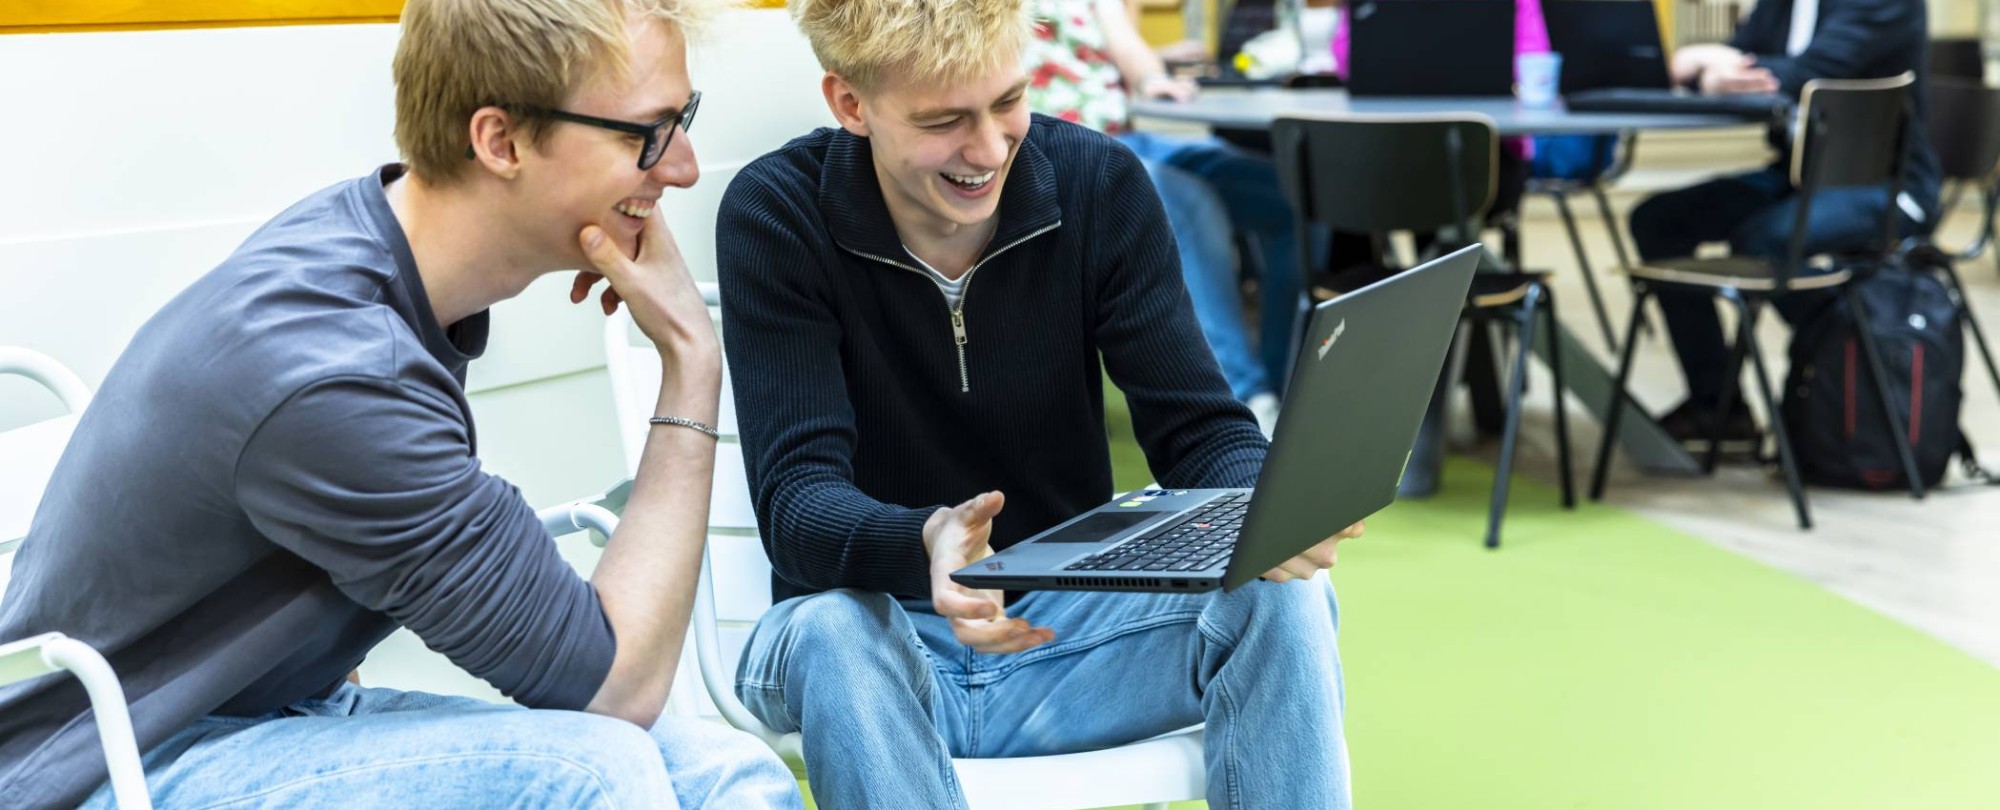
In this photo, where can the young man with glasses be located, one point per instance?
(281, 469)
(920, 306)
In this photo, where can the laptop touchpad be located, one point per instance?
(1101, 526)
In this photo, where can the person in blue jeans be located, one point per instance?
(280, 470)
(1085, 62)
(920, 306)
(1779, 47)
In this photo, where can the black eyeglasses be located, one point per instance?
(657, 134)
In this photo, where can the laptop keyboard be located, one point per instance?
(1202, 539)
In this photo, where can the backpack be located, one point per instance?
(1835, 417)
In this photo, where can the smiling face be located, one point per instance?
(941, 153)
(582, 175)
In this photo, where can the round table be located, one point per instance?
(1256, 108)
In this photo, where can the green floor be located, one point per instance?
(1601, 660)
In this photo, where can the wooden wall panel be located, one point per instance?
(38, 16)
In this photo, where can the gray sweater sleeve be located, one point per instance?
(375, 482)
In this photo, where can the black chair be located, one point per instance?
(1964, 128)
(1559, 190)
(1377, 174)
(1849, 133)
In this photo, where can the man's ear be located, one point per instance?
(845, 103)
(492, 133)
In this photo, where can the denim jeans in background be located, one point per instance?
(1208, 267)
(1212, 191)
(365, 748)
(1755, 213)
(886, 696)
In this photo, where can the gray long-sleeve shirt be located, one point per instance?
(277, 473)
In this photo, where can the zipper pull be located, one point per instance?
(958, 326)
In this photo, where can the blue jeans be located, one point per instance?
(886, 696)
(1212, 191)
(385, 748)
(1755, 214)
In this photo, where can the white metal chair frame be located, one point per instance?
(49, 653)
(1150, 772)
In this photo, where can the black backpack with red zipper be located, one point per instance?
(1833, 415)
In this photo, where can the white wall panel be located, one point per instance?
(135, 161)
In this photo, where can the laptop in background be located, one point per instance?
(1351, 415)
(1462, 48)
(1607, 43)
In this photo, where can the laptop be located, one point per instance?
(1351, 415)
(1462, 48)
(1614, 62)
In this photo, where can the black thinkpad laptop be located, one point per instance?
(1461, 48)
(1350, 417)
(1614, 62)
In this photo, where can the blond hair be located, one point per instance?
(941, 41)
(457, 56)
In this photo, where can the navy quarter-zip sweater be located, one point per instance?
(866, 403)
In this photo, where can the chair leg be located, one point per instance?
(1785, 458)
(1972, 323)
(1991, 213)
(1625, 261)
(1620, 396)
(1517, 394)
(1611, 225)
(1583, 265)
(1562, 418)
(1893, 418)
(1732, 386)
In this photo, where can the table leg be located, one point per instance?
(1425, 468)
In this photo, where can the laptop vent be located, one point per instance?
(1106, 583)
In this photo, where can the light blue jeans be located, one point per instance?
(1212, 191)
(386, 748)
(886, 696)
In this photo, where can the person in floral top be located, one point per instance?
(1084, 62)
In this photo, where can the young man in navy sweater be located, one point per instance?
(915, 306)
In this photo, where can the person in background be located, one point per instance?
(1779, 47)
(1085, 61)
(280, 470)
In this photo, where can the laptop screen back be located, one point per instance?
(1363, 380)
(1459, 48)
(1607, 44)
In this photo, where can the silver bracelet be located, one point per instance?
(686, 423)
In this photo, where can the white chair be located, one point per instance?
(31, 451)
(735, 590)
(28, 457)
